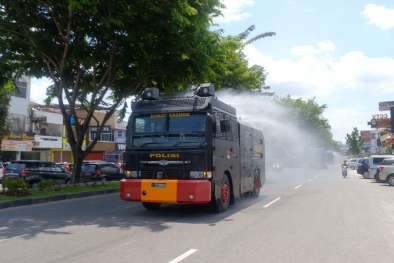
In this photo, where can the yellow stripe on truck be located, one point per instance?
(167, 194)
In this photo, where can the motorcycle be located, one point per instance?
(277, 167)
(344, 171)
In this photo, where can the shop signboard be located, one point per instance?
(385, 105)
(16, 146)
(120, 146)
(365, 136)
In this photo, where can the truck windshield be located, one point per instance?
(180, 129)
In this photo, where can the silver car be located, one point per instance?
(353, 163)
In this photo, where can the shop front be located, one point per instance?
(18, 146)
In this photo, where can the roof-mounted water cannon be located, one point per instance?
(205, 90)
(149, 94)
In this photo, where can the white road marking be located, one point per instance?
(183, 256)
(298, 186)
(2, 240)
(122, 245)
(267, 205)
(309, 180)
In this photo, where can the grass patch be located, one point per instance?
(69, 190)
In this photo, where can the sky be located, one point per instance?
(339, 52)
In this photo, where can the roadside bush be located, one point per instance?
(15, 187)
(46, 185)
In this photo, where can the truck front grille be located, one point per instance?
(174, 175)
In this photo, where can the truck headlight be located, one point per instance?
(200, 174)
(134, 173)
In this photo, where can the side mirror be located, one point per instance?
(225, 126)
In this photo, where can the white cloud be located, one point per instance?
(233, 10)
(380, 16)
(38, 89)
(322, 46)
(321, 75)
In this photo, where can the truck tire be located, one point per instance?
(219, 205)
(390, 180)
(256, 189)
(151, 206)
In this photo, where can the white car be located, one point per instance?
(353, 163)
(1, 170)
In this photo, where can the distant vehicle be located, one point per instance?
(33, 171)
(362, 167)
(317, 159)
(277, 167)
(386, 172)
(100, 171)
(330, 157)
(353, 163)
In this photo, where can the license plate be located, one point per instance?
(159, 185)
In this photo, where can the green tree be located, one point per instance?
(5, 97)
(308, 116)
(354, 141)
(97, 53)
(388, 149)
(231, 64)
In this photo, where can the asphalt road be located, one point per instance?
(302, 215)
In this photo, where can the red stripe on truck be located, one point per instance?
(131, 187)
(199, 189)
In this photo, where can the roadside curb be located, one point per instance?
(47, 199)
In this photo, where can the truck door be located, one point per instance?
(246, 162)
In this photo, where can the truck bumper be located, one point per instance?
(166, 191)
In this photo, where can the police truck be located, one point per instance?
(190, 150)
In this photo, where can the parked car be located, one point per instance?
(100, 171)
(386, 172)
(362, 167)
(353, 163)
(374, 162)
(33, 171)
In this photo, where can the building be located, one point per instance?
(47, 124)
(19, 144)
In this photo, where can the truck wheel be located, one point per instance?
(390, 180)
(221, 204)
(366, 175)
(256, 189)
(151, 206)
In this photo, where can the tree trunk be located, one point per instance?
(78, 159)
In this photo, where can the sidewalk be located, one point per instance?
(47, 199)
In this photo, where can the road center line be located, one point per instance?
(183, 256)
(309, 180)
(3, 240)
(123, 245)
(267, 205)
(298, 186)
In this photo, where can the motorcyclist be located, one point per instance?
(344, 163)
